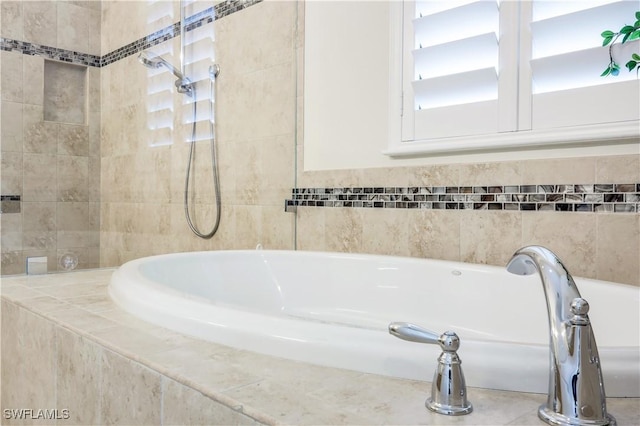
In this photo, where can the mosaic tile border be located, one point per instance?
(204, 17)
(615, 197)
(33, 49)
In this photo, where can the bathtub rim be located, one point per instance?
(147, 307)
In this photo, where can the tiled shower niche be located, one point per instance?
(65, 92)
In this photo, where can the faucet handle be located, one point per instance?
(448, 388)
(580, 309)
(412, 333)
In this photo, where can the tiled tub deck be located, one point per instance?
(68, 349)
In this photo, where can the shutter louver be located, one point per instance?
(456, 49)
(567, 61)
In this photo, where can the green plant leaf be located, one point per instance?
(612, 69)
(627, 29)
(628, 33)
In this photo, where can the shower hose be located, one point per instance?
(214, 163)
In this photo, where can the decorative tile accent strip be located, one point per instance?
(207, 16)
(48, 52)
(204, 17)
(615, 197)
(228, 7)
(139, 45)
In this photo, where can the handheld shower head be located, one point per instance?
(151, 60)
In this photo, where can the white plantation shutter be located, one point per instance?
(199, 55)
(159, 99)
(465, 59)
(567, 58)
(455, 58)
(504, 70)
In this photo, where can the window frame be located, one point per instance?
(515, 131)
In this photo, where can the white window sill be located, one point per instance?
(622, 133)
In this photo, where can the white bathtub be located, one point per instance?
(333, 309)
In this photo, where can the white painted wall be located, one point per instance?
(346, 94)
(346, 83)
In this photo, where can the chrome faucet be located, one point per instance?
(576, 389)
(448, 388)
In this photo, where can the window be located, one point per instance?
(159, 99)
(196, 55)
(507, 74)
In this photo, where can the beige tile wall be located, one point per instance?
(259, 99)
(53, 164)
(260, 51)
(142, 186)
(72, 25)
(47, 366)
(605, 246)
(140, 18)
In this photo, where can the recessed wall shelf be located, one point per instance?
(65, 92)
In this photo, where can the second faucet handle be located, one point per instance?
(448, 389)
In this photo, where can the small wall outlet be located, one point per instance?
(36, 265)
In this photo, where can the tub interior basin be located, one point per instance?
(334, 309)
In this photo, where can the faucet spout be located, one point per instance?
(576, 389)
(559, 287)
